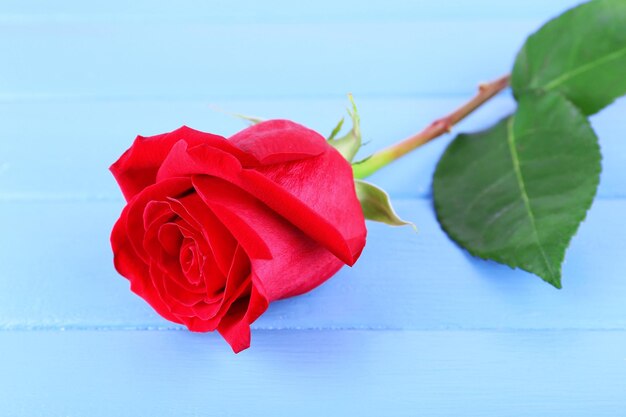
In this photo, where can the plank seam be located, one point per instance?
(71, 328)
(95, 199)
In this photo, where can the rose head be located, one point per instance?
(215, 229)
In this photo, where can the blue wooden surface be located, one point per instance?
(417, 327)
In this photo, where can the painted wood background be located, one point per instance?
(417, 327)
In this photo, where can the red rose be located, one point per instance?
(216, 229)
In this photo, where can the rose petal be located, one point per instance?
(298, 263)
(324, 184)
(137, 167)
(129, 265)
(185, 161)
(304, 180)
(199, 216)
(344, 240)
(237, 284)
(137, 205)
(276, 141)
(200, 323)
(256, 231)
(170, 238)
(179, 300)
(235, 327)
(157, 212)
(168, 262)
(238, 274)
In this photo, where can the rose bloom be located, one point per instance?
(215, 229)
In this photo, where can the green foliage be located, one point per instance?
(581, 54)
(517, 192)
(376, 204)
(349, 144)
(374, 201)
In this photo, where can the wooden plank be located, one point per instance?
(57, 273)
(277, 10)
(418, 327)
(75, 141)
(199, 60)
(312, 373)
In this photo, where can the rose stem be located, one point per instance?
(435, 129)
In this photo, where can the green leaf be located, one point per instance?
(376, 204)
(253, 120)
(336, 130)
(581, 54)
(349, 144)
(517, 192)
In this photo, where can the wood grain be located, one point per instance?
(117, 59)
(275, 11)
(417, 327)
(286, 373)
(75, 141)
(58, 273)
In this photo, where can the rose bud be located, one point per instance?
(215, 229)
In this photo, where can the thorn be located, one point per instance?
(445, 124)
(482, 87)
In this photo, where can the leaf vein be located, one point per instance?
(520, 181)
(583, 68)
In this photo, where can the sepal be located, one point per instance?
(376, 204)
(349, 144)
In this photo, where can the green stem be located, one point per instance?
(435, 129)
